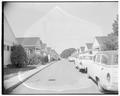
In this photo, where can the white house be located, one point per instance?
(88, 48)
(82, 49)
(31, 44)
(99, 43)
(9, 40)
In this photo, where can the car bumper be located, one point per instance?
(111, 87)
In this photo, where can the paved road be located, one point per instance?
(60, 77)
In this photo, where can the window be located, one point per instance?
(90, 52)
(11, 48)
(115, 59)
(7, 48)
(104, 60)
(97, 59)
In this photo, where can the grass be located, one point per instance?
(10, 72)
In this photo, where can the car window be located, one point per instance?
(115, 59)
(104, 59)
(97, 59)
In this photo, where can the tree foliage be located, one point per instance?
(67, 52)
(18, 56)
(34, 59)
(115, 27)
(112, 43)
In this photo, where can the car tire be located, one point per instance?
(88, 76)
(86, 70)
(79, 70)
(101, 89)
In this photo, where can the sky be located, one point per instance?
(61, 25)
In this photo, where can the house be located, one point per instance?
(82, 49)
(88, 48)
(9, 41)
(44, 49)
(99, 43)
(31, 44)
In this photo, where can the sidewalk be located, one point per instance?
(13, 82)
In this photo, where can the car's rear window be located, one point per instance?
(115, 59)
(112, 59)
(105, 60)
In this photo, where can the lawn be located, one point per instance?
(11, 72)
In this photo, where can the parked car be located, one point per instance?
(79, 65)
(104, 70)
(86, 60)
(71, 59)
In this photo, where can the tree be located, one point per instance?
(18, 56)
(115, 27)
(67, 52)
(112, 43)
(34, 59)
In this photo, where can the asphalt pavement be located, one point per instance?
(59, 78)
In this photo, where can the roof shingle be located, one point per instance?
(29, 41)
(102, 39)
(89, 45)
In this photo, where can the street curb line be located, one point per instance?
(8, 90)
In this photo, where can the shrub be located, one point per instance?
(45, 60)
(34, 59)
(18, 56)
(53, 59)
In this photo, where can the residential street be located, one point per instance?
(60, 77)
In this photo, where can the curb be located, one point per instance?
(32, 73)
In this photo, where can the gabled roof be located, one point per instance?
(9, 35)
(29, 41)
(89, 45)
(82, 48)
(102, 39)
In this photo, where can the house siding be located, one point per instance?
(96, 46)
(9, 41)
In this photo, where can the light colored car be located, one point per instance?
(104, 70)
(86, 60)
(79, 65)
(71, 59)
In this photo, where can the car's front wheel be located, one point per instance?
(88, 76)
(101, 89)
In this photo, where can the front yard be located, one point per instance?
(11, 72)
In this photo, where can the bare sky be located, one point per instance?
(68, 25)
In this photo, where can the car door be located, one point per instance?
(91, 67)
(104, 69)
(96, 66)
